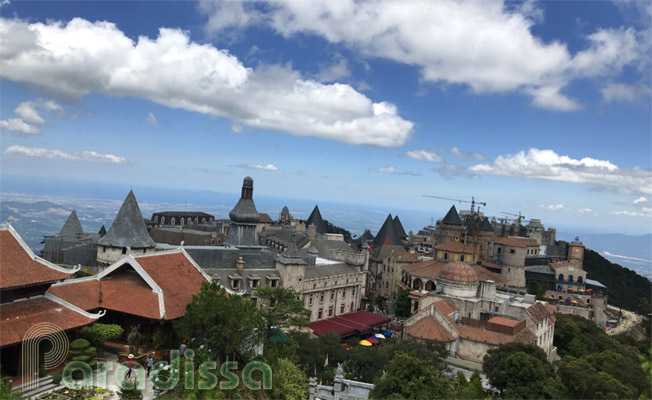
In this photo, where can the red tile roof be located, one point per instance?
(455, 246)
(504, 321)
(124, 290)
(177, 277)
(431, 269)
(515, 241)
(359, 322)
(458, 271)
(20, 267)
(429, 328)
(18, 317)
(444, 307)
(486, 336)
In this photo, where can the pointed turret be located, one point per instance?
(398, 228)
(128, 228)
(244, 217)
(72, 227)
(452, 217)
(292, 255)
(387, 234)
(485, 226)
(102, 231)
(316, 219)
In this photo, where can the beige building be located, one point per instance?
(507, 255)
(455, 251)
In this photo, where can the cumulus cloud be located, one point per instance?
(624, 92)
(70, 60)
(629, 213)
(151, 119)
(86, 155)
(28, 120)
(424, 155)
(266, 167)
(506, 55)
(585, 211)
(334, 72)
(641, 199)
(548, 165)
(553, 207)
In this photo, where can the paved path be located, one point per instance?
(627, 322)
(112, 384)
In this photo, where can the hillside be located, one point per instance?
(627, 289)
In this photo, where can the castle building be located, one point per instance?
(127, 234)
(71, 246)
(181, 218)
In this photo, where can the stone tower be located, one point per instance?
(244, 218)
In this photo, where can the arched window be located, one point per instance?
(183, 221)
(498, 251)
(156, 219)
(561, 277)
(579, 279)
(462, 257)
(162, 220)
(445, 256)
(197, 220)
(203, 220)
(172, 221)
(570, 278)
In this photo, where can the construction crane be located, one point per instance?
(473, 202)
(519, 216)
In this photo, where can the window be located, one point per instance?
(570, 278)
(236, 284)
(197, 220)
(162, 220)
(310, 300)
(103, 249)
(386, 284)
(156, 219)
(342, 309)
(255, 300)
(124, 250)
(172, 221)
(498, 251)
(445, 256)
(462, 257)
(254, 283)
(561, 277)
(320, 314)
(330, 311)
(353, 292)
(183, 221)
(273, 283)
(332, 295)
(321, 297)
(512, 251)
(579, 279)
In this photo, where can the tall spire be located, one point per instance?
(387, 233)
(72, 227)
(452, 217)
(128, 228)
(244, 217)
(316, 219)
(398, 228)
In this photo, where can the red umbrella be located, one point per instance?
(371, 340)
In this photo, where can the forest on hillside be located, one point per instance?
(627, 289)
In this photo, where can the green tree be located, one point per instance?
(403, 303)
(289, 382)
(229, 325)
(98, 333)
(463, 389)
(6, 392)
(282, 307)
(409, 377)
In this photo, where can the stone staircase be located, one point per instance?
(45, 384)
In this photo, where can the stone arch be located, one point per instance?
(182, 221)
(430, 285)
(561, 277)
(570, 278)
(417, 284)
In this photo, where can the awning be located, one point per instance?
(356, 323)
(388, 333)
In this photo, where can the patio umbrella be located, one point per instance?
(388, 333)
(372, 340)
(365, 343)
(379, 336)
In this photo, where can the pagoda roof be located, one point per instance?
(128, 228)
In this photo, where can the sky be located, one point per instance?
(538, 107)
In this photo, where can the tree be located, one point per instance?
(409, 377)
(98, 333)
(403, 303)
(6, 392)
(464, 389)
(289, 382)
(229, 325)
(282, 307)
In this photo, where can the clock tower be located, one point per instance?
(576, 253)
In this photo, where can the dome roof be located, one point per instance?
(458, 271)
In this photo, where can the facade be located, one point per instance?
(181, 218)
(127, 235)
(71, 246)
(508, 255)
(455, 251)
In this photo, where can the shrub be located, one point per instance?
(42, 372)
(79, 344)
(81, 358)
(56, 378)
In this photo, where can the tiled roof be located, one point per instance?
(429, 328)
(404, 256)
(121, 288)
(504, 321)
(17, 317)
(444, 307)
(128, 228)
(515, 241)
(539, 312)
(455, 246)
(20, 267)
(458, 271)
(265, 219)
(430, 270)
(496, 338)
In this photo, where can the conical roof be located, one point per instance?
(102, 231)
(128, 228)
(387, 234)
(367, 235)
(398, 228)
(316, 219)
(485, 226)
(452, 217)
(245, 210)
(72, 227)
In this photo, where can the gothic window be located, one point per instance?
(162, 220)
(172, 221)
(183, 221)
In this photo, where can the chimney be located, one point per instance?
(312, 231)
(487, 289)
(239, 265)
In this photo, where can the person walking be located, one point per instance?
(149, 364)
(130, 366)
(182, 348)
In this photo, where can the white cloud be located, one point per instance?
(424, 155)
(631, 213)
(384, 170)
(548, 165)
(86, 155)
(70, 60)
(473, 155)
(266, 167)
(553, 207)
(640, 200)
(503, 53)
(151, 119)
(27, 112)
(18, 125)
(28, 119)
(334, 72)
(624, 92)
(585, 211)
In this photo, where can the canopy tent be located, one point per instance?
(371, 340)
(356, 323)
(387, 333)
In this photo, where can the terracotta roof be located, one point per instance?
(539, 312)
(455, 246)
(18, 317)
(458, 271)
(444, 307)
(429, 328)
(504, 321)
(406, 257)
(486, 336)
(515, 241)
(430, 270)
(123, 289)
(20, 267)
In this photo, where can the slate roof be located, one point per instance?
(316, 219)
(128, 228)
(18, 317)
(324, 247)
(222, 276)
(398, 228)
(72, 227)
(485, 226)
(245, 210)
(102, 231)
(182, 214)
(386, 250)
(265, 218)
(292, 255)
(20, 267)
(387, 234)
(452, 217)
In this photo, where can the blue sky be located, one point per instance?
(538, 107)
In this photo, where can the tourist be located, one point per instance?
(149, 364)
(182, 348)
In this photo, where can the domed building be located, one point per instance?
(458, 279)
